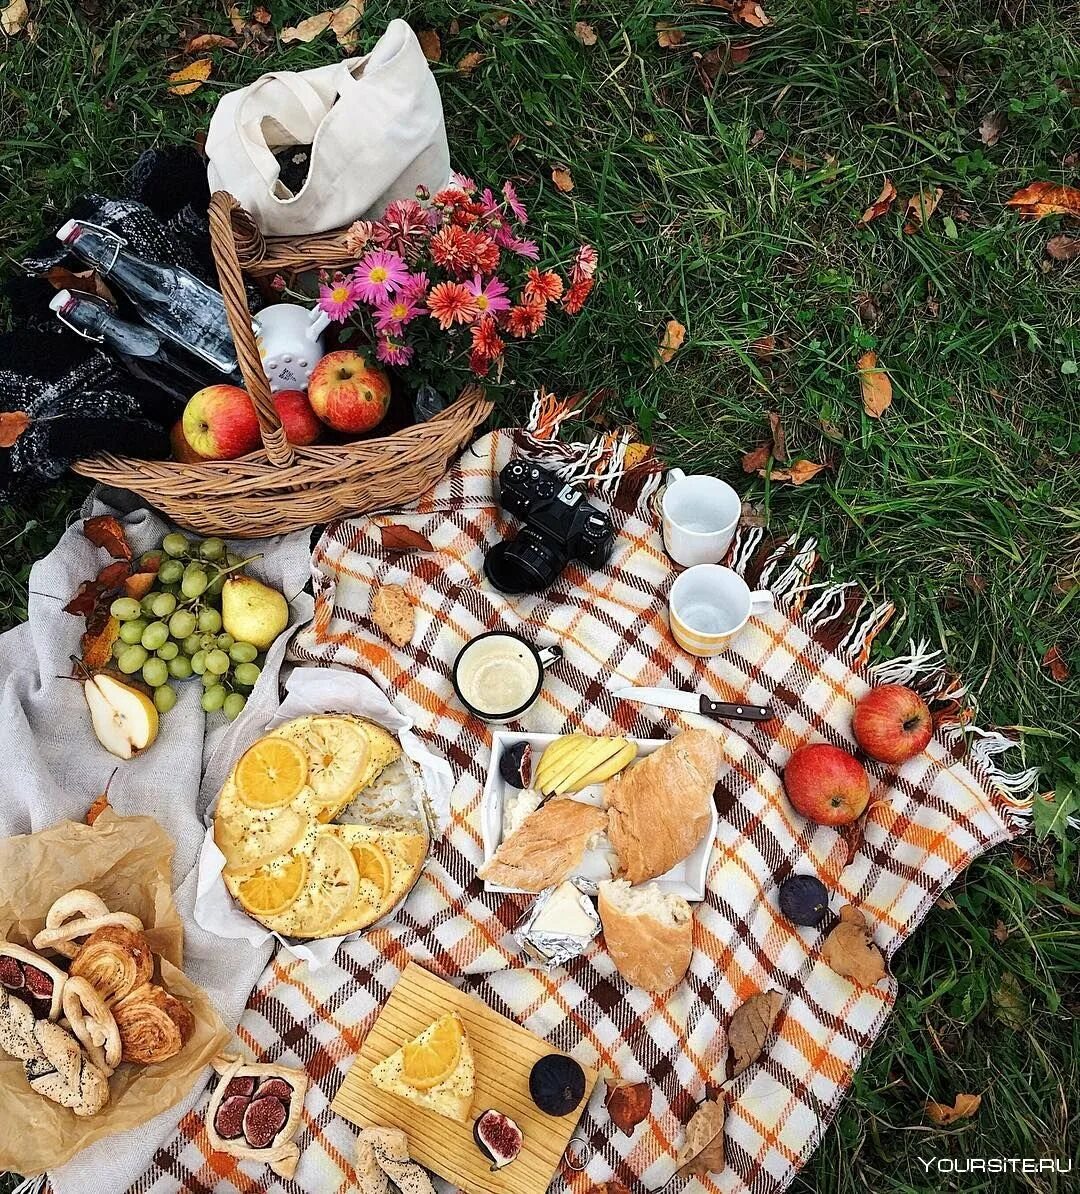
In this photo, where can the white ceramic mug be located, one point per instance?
(708, 605)
(498, 675)
(290, 343)
(699, 515)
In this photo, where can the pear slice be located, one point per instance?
(123, 718)
(599, 752)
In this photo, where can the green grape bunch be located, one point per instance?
(175, 632)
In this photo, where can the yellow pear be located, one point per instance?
(123, 718)
(253, 612)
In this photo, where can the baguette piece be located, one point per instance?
(660, 809)
(649, 933)
(546, 847)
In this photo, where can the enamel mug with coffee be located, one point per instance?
(708, 605)
(289, 338)
(699, 515)
(498, 675)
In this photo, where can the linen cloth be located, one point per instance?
(931, 817)
(55, 768)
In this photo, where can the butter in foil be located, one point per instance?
(558, 927)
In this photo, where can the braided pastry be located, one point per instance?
(94, 1026)
(63, 1072)
(114, 961)
(17, 1028)
(153, 1024)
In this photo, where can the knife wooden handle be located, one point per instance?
(730, 711)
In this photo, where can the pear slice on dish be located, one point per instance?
(124, 719)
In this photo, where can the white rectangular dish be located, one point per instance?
(686, 879)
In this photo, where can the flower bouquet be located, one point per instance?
(445, 283)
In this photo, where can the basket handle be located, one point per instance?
(224, 209)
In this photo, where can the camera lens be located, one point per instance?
(523, 565)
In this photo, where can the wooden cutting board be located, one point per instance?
(504, 1053)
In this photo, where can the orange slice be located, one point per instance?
(271, 774)
(269, 891)
(331, 889)
(372, 863)
(425, 1064)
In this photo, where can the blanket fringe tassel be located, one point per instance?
(31, 1185)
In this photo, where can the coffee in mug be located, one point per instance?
(498, 675)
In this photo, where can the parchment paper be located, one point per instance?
(318, 690)
(127, 861)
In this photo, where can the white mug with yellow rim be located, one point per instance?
(708, 605)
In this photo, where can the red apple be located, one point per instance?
(348, 393)
(826, 784)
(220, 423)
(181, 449)
(297, 418)
(892, 723)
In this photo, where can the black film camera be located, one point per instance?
(560, 526)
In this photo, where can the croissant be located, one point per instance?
(153, 1024)
(114, 961)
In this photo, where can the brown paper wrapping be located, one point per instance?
(127, 861)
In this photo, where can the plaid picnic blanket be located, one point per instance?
(928, 820)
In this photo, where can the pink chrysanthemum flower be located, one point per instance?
(277, 283)
(393, 352)
(339, 298)
(450, 303)
(415, 287)
(358, 236)
(491, 296)
(523, 248)
(405, 228)
(543, 286)
(584, 263)
(460, 180)
(380, 273)
(393, 313)
(514, 203)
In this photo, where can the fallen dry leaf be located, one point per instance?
(876, 386)
(393, 613)
(920, 208)
(191, 77)
(1045, 199)
(106, 531)
(755, 461)
(670, 343)
(12, 424)
(470, 62)
(344, 23)
(718, 61)
(867, 307)
(95, 647)
(702, 1150)
(746, 12)
(1063, 248)
(431, 44)
(628, 1103)
(779, 437)
(1011, 1005)
(798, 474)
(516, 140)
(308, 29)
(763, 348)
(401, 538)
(667, 36)
(13, 18)
(750, 1028)
(83, 603)
(210, 41)
(585, 33)
(562, 179)
(849, 949)
(1055, 664)
(881, 204)
(964, 1106)
(991, 128)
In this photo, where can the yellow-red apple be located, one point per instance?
(826, 784)
(892, 723)
(299, 421)
(181, 449)
(220, 423)
(348, 393)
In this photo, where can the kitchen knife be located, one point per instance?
(693, 702)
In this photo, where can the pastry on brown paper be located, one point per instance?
(114, 961)
(17, 1022)
(546, 847)
(94, 1026)
(153, 1024)
(76, 915)
(660, 809)
(63, 1073)
(255, 1112)
(32, 978)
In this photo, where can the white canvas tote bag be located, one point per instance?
(375, 125)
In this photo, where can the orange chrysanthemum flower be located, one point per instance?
(577, 294)
(543, 286)
(526, 319)
(452, 248)
(486, 339)
(450, 303)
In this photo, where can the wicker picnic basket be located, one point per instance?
(283, 487)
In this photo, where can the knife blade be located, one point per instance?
(694, 702)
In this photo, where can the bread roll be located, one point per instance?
(546, 847)
(649, 933)
(661, 808)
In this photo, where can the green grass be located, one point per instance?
(961, 503)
